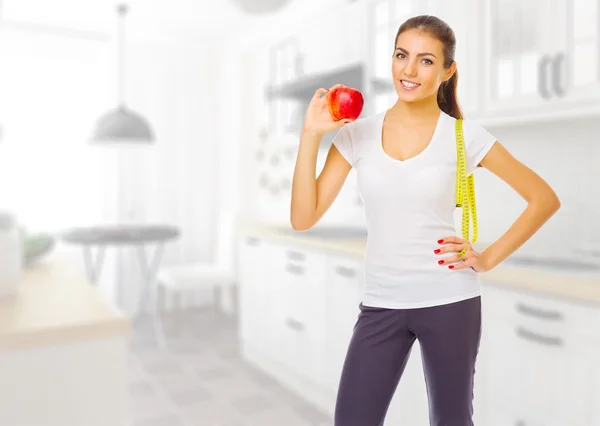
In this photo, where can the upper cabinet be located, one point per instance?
(540, 57)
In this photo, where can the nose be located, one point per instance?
(410, 69)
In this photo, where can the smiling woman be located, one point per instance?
(421, 279)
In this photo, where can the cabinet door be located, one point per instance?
(517, 54)
(536, 361)
(299, 310)
(576, 60)
(344, 294)
(540, 60)
(253, 300)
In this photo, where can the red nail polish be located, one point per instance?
(451, 266)
(436, 251)
(440, 241)
(440, 262)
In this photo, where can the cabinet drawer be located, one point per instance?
(537, 374)
(543, 313)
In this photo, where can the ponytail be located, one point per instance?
(447, 99)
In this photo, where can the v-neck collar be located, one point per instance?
(434, 137)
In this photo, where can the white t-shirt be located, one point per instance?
(409, 206)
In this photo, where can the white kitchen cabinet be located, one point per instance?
(254, 301)
(538, 359)
(299, 310)
(540, 58)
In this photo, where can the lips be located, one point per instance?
(409, 83)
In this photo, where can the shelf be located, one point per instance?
(304, 88)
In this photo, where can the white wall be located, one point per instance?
(565, 155)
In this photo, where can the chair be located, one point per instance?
(220, 275)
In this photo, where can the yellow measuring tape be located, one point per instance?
(465, 188)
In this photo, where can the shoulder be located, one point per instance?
(472, 129)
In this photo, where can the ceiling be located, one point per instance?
(150, 18)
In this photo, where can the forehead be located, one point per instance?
(416, 41)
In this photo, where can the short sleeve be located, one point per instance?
(343, 143)
(478, 142)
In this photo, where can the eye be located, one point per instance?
(401, 56)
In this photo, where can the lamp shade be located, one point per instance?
(122, 125)
(257, 7)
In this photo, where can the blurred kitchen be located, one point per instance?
(149, 274)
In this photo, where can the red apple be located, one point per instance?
(345, 102)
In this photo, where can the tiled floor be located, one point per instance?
(201, 380)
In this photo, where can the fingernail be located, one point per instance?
(440, 262)
(451, 266)
(440, 241)
(436, 251)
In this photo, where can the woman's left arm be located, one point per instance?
(542, 203)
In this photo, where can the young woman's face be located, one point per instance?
(418, 58)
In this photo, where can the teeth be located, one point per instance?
(407, 84)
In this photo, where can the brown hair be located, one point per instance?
(440, 30)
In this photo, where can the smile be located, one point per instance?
(409, 84)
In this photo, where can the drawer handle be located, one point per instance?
(294, 325)
(294, 269)
(252, 241)
(538, 338)
(295, 255)
(345, 272)
(539, 313)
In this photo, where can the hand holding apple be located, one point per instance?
(345, 102)
(318, 118)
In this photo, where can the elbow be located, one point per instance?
(553, 202)
(299, 224)
(548, 202)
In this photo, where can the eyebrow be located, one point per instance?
(420, 54)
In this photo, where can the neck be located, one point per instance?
(425, 110)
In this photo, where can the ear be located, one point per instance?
(450, 71)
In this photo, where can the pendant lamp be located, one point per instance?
(122, 125)
(260, 7)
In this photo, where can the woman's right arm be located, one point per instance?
(312, 197)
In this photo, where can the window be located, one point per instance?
(53, 89)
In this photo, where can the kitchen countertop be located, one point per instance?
(54, 304)
(564, 284)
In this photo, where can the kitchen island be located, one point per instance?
(63, 351)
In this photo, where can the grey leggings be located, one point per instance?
(449, 337)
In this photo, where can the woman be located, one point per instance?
(416, 285)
